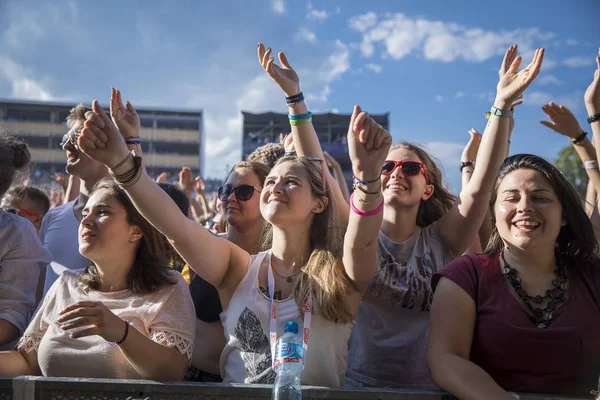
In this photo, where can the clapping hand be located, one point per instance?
(126, 119)
(100, 139)
(186, 180)
(512, 84)
(284, 76)
(95, 317)
(368, 145)
(562, 120)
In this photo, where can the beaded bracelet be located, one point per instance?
(365, 182)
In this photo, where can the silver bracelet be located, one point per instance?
(590, 164)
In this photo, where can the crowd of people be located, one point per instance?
(396, 283)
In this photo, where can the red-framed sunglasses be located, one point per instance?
(409, 167)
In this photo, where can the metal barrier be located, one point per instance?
(38, 388)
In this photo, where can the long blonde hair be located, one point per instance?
(323, 274)
(441, 201)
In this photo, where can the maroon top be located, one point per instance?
(563, 358)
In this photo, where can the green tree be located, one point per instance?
(569, 163)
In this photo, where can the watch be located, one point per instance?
(593, 118)
(501, 113)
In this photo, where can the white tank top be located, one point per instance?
(247, 354)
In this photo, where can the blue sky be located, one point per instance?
(431, 64)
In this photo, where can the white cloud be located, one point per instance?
(364, 22)
(459, 95)
(374, 67)
(548, 80)
(306, 35)
(537, 98)
(572, 42)
(576, 62)
(22, 85)
(439, 98)
(318, 15)
(278, 6)
(398, 36)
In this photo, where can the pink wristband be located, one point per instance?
(364, 213)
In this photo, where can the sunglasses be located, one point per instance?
(410, 168)
(70, 137)
(242, 192)
(21, 212)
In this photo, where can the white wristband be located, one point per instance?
(590, 164)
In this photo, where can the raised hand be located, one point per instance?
(472, 148)
(199, 185)
(288, 142)
(100, 139)
(126, 119)
(512, 84)
(186, 180)
(97, 319)
(60, 178)
(368, 145)
(162, 178)
(509, 57)
(284, 76)
(562, 120)
(592, 94)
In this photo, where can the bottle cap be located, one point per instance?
(291, 326)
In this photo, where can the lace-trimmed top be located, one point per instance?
(165, 316)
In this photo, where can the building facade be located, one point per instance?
(331, 128)
(171, 139)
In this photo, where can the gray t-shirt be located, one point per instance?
(389, 342)
(59, 234)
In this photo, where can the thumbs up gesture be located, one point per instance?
(100, 139)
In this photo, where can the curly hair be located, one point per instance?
(267, 154)
(14, 155)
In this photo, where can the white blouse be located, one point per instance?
(166, 316)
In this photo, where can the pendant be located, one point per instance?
(289, 279)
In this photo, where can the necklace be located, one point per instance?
(289, 278)
(555, 296)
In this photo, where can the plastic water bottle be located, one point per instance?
(289, 363)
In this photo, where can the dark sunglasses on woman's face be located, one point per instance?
(410, 168)
(242, 192)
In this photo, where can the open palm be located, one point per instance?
(284, 76)
(592, 93)
(514, 83)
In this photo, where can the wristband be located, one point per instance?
(130, 142)
(295, 99)
(298, 122)
(364, 213)
(355, 186)
(590, 164)
(300, 116)
(579, 138)
(464, 164)
(501, 113)
(593, 118)
(365, 182)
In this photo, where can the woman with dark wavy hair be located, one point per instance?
(126, 316)
(524, 316)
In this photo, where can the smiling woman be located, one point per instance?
(128, 297)
(525, 316)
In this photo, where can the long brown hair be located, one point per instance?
(150, 269)
(261, 171)
(323, 274)
(576, 240)
(441, 201)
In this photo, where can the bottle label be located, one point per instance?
(289, 353)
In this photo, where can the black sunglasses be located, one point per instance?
(242, 192)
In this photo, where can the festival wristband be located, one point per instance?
(297, 122)
(294, 117)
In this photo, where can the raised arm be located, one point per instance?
(304, 135)
(471, 206)
(452, 321)
(564, 122)
(592, 105)
(216, 260)
(368, 145)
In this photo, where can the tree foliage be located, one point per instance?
(569, 163)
